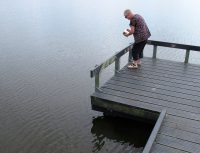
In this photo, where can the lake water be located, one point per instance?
(46, 51)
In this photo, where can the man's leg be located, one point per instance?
(135, 55)
(141, 48)
(142, 45)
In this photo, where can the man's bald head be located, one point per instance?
(128, 14)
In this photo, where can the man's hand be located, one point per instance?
(129, 31)
(126, 34)
(132, 30)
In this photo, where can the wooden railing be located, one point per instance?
(154, 132)
(187, 48)
(116, 58)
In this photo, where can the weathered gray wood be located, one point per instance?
(151, 103)
(104, 65)
(182, 121)
(187, 54)
(108, 62)
(166, 71)
(170, 64)
(171, 68)
(117, 65)
(125, 101)
(178, 143)
(119, 98)
(182, 127)
(130, 55)
(158, 148)
(97, 81)
(146, 72)
(150, 42)
(116, 57)
(173, 45)
(154, 133)
(160, 96)
(179, 81)
(155, 86)
(154, 89)
(177, 133)
(109, 105)
(162, 81)
(154, 51)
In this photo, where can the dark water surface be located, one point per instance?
(46, 51)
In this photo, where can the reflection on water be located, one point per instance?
(119, 130)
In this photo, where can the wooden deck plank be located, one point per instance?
(183, 135)
(169, 63)
(183, 121)
(163, 76)
(160, 84)
(183, 127)
(150, 99)
(154, 73)
(147, 67)
(178, 143)
(118, 97)
(158, 148)
(126, 101)
(173, 71)
(156, 86)
(154, 90)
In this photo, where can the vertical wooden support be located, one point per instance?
(117, 65)
(154, 51)
(130, 55)
(97, 82)
(187, 55)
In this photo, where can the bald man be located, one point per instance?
(141, 33)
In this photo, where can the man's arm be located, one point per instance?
(131, 31)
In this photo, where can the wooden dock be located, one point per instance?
(162, 91)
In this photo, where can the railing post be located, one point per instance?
(130, 55)
(97, 78)
(154, 51)
(117, 65)
(187, 54)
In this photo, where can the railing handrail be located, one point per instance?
(116, 58)
(173, 45)
(109, 61)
